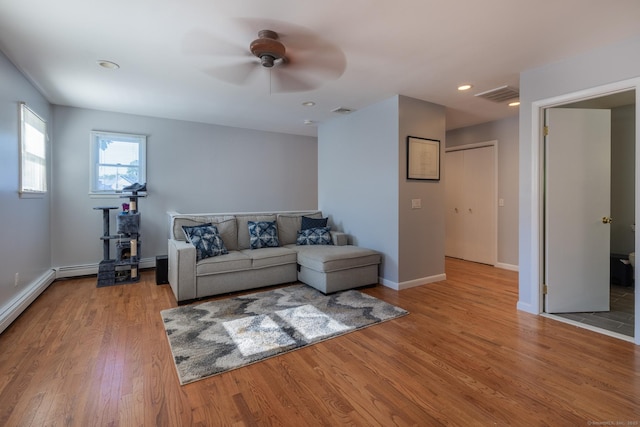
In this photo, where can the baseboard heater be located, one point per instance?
(92, 269)
(16, 306)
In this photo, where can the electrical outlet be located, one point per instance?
(17, 280)
(500, 202)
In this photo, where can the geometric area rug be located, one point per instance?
(217, 336)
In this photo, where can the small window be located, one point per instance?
(117, 161)
(33, 153)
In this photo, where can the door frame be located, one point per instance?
(536, 233)
(492, 143)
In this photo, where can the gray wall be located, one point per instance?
(191, 167)
(362, 185)
(623, 155)
(421, 230)
(358, 178)
(607, 65)
(505, 131)
(24, 235)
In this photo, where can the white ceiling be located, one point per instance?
(171, 53)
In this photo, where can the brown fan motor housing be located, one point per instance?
(267, 48)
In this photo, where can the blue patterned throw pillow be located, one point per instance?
(314, 236)
(263, 234)
(206, 239)
(308, 222)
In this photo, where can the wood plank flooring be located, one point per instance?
(83, 356)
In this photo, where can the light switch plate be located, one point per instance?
(416, 203)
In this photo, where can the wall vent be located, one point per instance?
(500, 94)
(342, 110)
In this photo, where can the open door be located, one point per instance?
(577, 209)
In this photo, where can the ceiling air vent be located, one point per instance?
(500, 94)
(342, 110)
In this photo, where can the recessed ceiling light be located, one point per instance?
(308, 122)
(514, 104)
(308, 103)
(465, 87)
(108, 64)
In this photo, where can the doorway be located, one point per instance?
(588, 189)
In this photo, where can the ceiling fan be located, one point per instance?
(267, 48)
(296, 59)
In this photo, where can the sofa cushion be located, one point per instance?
(233, 261)
(267, 257)
(334, 258)
(243, 227)
(314, 236)
(193, 220)
(308, 222)
(290, 223)
(206, 240)
(228, 229)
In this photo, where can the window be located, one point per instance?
(117, 161)
(33, 153)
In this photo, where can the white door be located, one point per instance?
(454, 202)
(480, 205)
(578, 175)
(470, 221)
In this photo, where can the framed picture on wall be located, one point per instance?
(423, 158)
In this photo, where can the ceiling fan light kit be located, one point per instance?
(267, 48)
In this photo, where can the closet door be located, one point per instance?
(470, 221)
(454, 201)
(480, 205)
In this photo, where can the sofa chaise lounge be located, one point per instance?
(327, 267)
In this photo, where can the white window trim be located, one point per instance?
(23, 110)
(93, 160)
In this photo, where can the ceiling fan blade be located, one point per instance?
(325, 64)
(201, 42)
(238, 73)
(283, 80)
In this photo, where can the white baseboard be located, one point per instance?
(16, 306)
(507, 266)
(526, 307)
(412, 283)
(92, 269)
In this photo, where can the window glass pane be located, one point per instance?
(118, 152)
(33, 177)
(117, 161)
(34, 141)
(115, 178)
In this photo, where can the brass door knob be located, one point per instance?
(607, 220)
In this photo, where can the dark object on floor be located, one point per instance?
(162, 270)
(621, 272)
(106, 273)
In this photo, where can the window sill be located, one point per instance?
(114, 195)
(31, 195)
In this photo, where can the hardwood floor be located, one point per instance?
(84, 356)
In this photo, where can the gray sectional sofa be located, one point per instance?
(328, 268)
